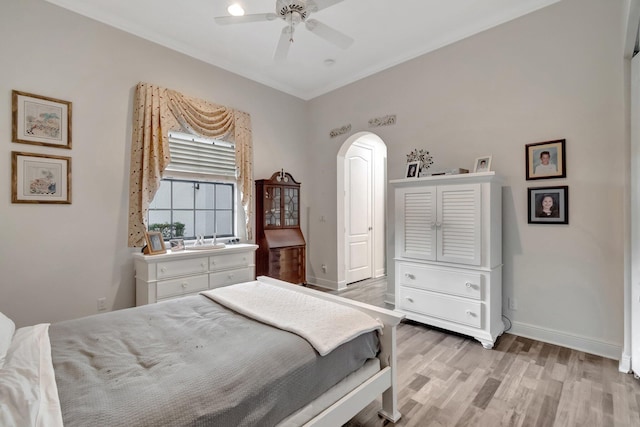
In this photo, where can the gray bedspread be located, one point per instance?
(189, 362)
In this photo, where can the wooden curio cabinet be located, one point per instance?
(281, 249)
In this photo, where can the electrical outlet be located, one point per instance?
(513, 304)
(102, 304)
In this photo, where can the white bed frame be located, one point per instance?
(383, 382)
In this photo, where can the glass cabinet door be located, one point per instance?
(272, 199)
(291, 207)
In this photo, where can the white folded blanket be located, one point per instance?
(324, 324)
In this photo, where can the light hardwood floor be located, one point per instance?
(447, 379)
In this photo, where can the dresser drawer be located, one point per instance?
(182, 267)
(182, 286)
(435, 279)
(466, 312)
(230, 277)
(221, 262)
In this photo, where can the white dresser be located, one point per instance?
(178, 274)
(448, 253)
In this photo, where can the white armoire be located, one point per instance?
(448, 253)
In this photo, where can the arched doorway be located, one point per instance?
(361, 208)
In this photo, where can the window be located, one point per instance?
(197, 197)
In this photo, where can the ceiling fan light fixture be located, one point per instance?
(235, 10)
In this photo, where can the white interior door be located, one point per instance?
(635, 215)
(358, 196)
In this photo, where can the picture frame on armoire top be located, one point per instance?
(482, 164)
(412, 169)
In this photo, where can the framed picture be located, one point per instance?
(176, 245)
(39, 178)
(546, 160)
(40, 120)
(482, 164)
(412, 169)
(155, 243)
(548, 205)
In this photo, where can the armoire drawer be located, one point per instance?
(183, 267)
(464, 284)
(221, 262)
(464, 311)
(230, 277)
(183, 286)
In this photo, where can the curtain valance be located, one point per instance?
(157, 111)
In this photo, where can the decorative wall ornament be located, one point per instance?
(422, 156)
(340, 131)
(383, 121)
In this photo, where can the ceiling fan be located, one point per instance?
(294, 12)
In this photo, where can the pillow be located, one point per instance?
(7, 328)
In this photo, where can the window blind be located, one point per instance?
(194, 154)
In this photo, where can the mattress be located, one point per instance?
(190, 362)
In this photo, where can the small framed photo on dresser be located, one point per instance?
(155, 243)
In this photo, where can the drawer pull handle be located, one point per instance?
(409, 299)
(202, 264)
(230, 275)
(163, 269)
(468, 285)
(470, 313)
(184, 285)
(409, 276)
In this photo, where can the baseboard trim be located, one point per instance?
(323, 283)
(625, 364)
(576, 342)
(390, 298)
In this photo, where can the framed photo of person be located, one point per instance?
(546, 160)
(412, 169)
(548, 205)
(482, 164)
(155, 243)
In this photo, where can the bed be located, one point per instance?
(258, 353)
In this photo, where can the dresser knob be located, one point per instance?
(468, 285)
(469, 313)
(409, 276)
(409, 299)
(163, 269)
(184, 285)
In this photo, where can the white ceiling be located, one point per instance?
(386, 33)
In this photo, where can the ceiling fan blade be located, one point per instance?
(323, 4)
(282, 49)
(226, 20)
(329, 34)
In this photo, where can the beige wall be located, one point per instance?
(556, 73)
(56, 261)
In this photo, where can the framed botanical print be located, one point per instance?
(40, 178)
(40, 120)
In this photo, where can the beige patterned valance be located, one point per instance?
(157, 111)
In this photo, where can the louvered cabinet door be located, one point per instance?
(458, 224)
(417, 223)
